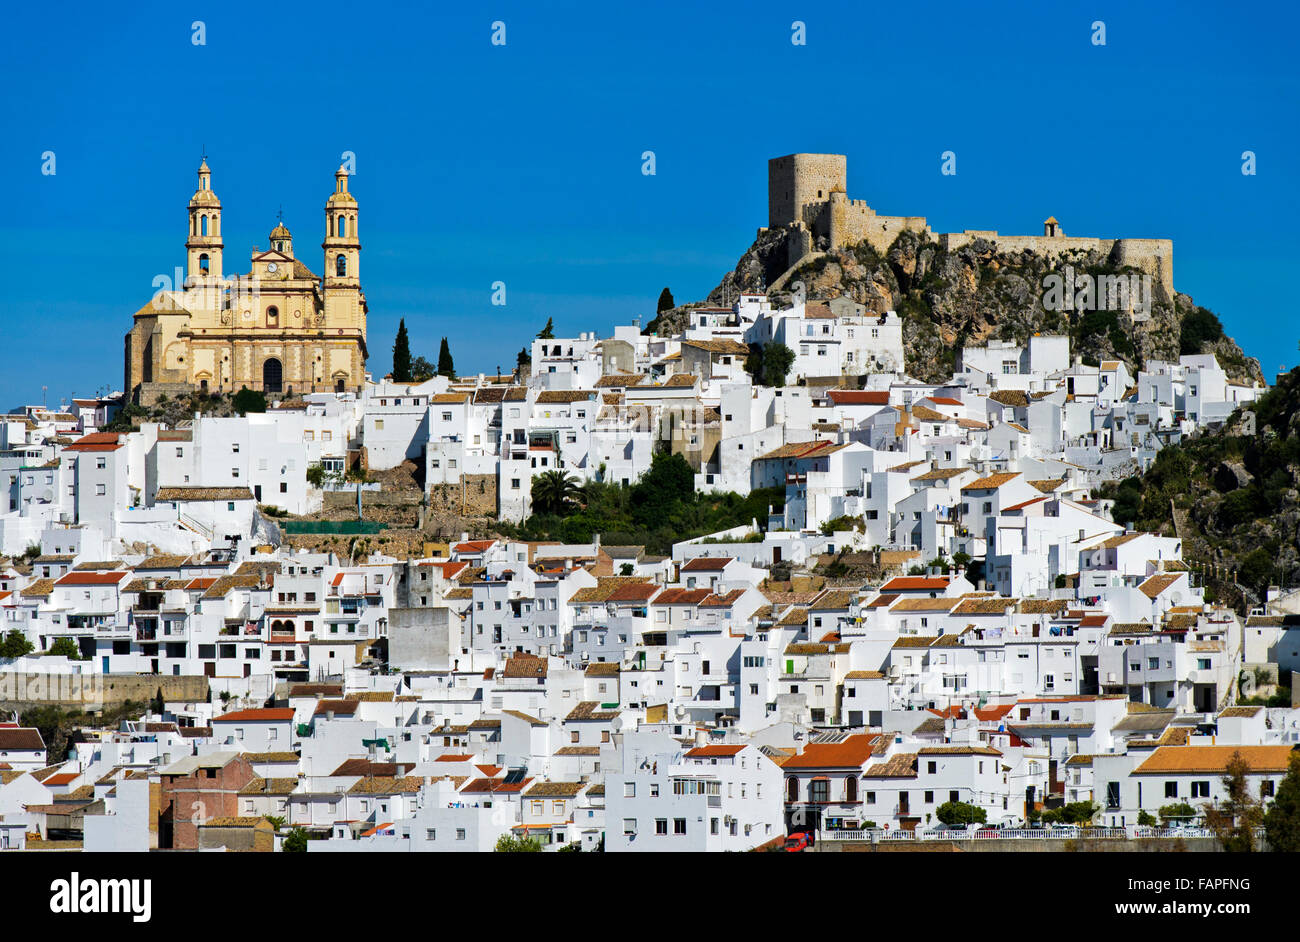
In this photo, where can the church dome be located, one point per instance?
(280, 232)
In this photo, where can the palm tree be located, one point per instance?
(555, 492)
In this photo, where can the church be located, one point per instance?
(280, 328)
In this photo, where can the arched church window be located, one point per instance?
(343, 226)
(272, 316)
(203, 262)
(203, 225)
(341, 265)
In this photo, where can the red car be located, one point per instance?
(797, 842)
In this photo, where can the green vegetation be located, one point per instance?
(1076, 812)
(401, 355)
(660, 509)
(422, 370)
(1234, 819)
(1146, 819)
(446, 367)
(840, 524)
(15, 644)
(296, 842)
(547, 332)
(509, 844)
(249, 400)
(1282, 822)
(65, 647)
(959, 812)
(1179, 812)
(555, 493)
(1200, 326)
(769, 364)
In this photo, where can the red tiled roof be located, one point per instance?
(858, 397)
(99, 441)
(850, 753)
(904, 583)
(707, 564)
(705, 752)
(93, 578)
(267, 715)
(474, 547)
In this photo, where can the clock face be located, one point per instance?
(271, 267)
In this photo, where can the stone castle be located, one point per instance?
(807, 195)
(279, 328)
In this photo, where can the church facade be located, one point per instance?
(279, 328)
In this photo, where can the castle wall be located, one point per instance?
(807, 195)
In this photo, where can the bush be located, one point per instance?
(249, 400)
(1180, 812)
(65, 647)
(1146, 819)
(296, 842)
(959, 812)
(509, 844)
(15, 644)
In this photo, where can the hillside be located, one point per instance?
(1234, 491)
(975, 294)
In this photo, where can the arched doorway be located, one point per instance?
(272, 375)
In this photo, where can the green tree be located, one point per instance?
(1282, 822)
(1234, 820)
(315, 474)
(401, 355)
(666, 302)
(1179, 812)
(524, 358)
(65, 647)
(547, 332)
(509, 844)
(1146, 819)
(555, 492)
(777, 360)
(959, 812)
(572, 847)
(249, 400)
(296, 842)
(445, 365)
(159, 703)
(15, 644)
(421, 370)
(1079, 812)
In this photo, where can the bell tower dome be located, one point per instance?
(342, 245)
(203, 245)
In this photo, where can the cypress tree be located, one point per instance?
(401, 355)
(445, 366)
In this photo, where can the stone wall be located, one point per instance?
(474, 496)
(93, 692)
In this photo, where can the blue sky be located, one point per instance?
(521, 163)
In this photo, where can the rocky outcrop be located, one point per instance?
(978, 293)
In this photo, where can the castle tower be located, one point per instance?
(1052, 228)
(281, 240)
(798, 180)
(203, 246)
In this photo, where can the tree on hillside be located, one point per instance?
(554, 492)
(547, 332)
(1282, 823)
(445, 365)
(666, 302)
(668, 481)
(1234, 819)
(401, 355)
(524, 359)
(249, 400)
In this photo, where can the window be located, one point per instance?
(1171, 789)
(1200, 789)
(460, 834)
(379, 425)
(629, 789)
(661, 825)
(629, 826)
(929, 798)
(100, 490)
(679, 825)
(1266, 788)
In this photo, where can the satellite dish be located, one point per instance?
(1176, 597)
